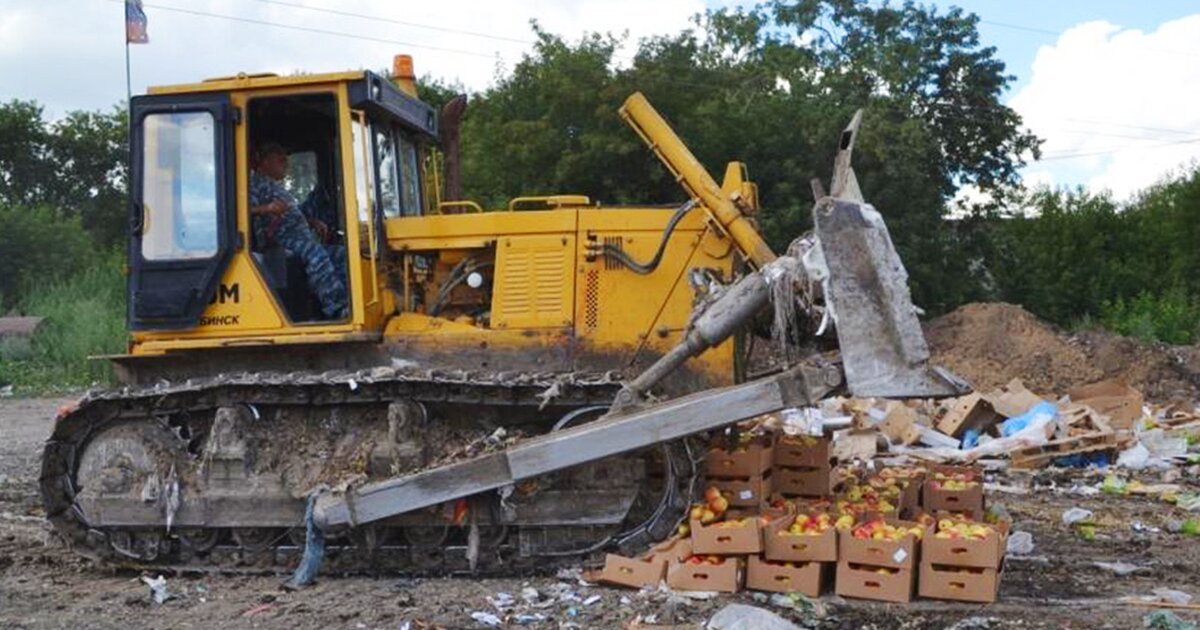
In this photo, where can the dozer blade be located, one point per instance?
(883, 349)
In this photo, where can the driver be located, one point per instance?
(276, 218)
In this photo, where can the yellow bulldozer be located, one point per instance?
(504, 388)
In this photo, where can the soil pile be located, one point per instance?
(990, 344)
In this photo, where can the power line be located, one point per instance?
(1116, 150)
(307, 29)
(377, 18)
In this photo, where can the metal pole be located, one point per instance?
(128, 83)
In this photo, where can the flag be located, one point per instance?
(135, 23)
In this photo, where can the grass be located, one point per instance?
(85, 316)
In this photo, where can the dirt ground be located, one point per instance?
(42, 585)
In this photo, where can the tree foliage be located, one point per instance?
(771, 86)
(77, 165)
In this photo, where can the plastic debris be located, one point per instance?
(743, 617)
(487, 619)
(1017, 424)
(1020, 544)
(158, 588)
(1172, 596)
(501, 601)
(1077, 515)
(526, 619)
(1189, 502)
(1135, 457)
(1139, 526)
(592, 600)
(1166, 620)
(1122, 569)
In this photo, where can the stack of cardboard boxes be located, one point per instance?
(802, 467)
(740, 468)
(854, 538)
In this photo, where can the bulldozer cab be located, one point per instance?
(202, 265)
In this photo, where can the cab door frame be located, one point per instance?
(172, 293)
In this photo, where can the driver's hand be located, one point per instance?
(320, 229)
(277, 206)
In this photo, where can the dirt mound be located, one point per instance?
(990, 344)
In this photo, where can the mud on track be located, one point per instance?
(43, 585)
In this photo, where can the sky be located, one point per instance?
(1111, 85)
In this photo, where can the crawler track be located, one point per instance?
(480, 536)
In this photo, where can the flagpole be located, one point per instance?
(128, 83)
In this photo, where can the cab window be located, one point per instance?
(179, 186)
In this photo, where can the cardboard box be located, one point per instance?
(632, 572)
(959, 583)
(865, 582)
(747, 460)
(936, 499)
(703, 576)
(779, 545)
(802, 451)
(1013, 399)
(807, 578)
(896, 554)
(803, 482)
(855, 445)
(900, 425)
(1113, 398)
(972, 411)
(966, 552)
(747, 492)
(673, 549)
(726, 539)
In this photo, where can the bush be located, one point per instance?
(40, 246)
(1172, 317)
(85, 316)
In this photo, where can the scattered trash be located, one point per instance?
(1113, 485)
(1141, 527)
(1135, 457)
(1077, 515)
(525, 619)
(6, 391)
(977, 623)
(257, 610)
(1122, 569)
(592, 600)
(743, 617)
(158, 588)
(487, 619)
(1189, 502)
(502, 601)
(1171, 596)
(1020, 543)
(1190, 527)
(1166, 620)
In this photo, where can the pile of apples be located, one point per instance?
(805, 525)
(742, 522)
(704, 560)
(714, 507)
(845, 506)
(880, 529)
(958, 530)
(953, 480)
(905, 473)
(799, 440)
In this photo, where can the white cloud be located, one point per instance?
(1117, 107)
(68, 54)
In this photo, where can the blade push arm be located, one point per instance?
(725, 208)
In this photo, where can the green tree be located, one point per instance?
(77, 165)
